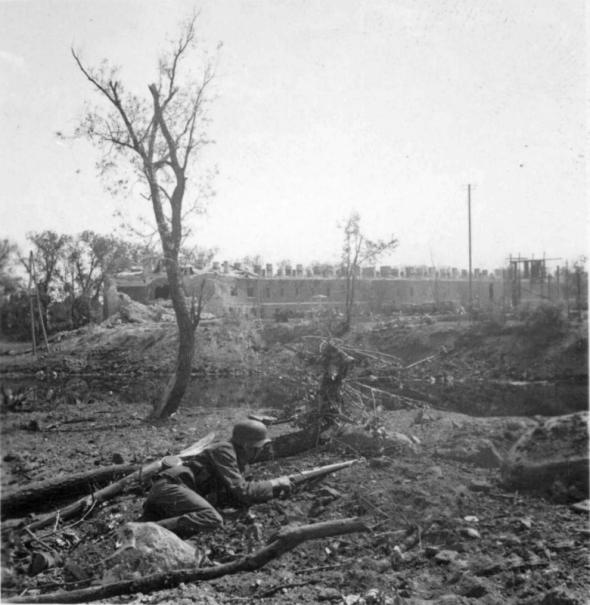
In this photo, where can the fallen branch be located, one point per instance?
(39, 493)
(106, 493)
(285, 540)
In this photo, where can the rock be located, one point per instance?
(446, 556)
(75, 573)
(470, 532)
(374, 445)
(380, 462)
(117, 458)
(435, 472)
(556, 451)
(561, 596)
(328, 594)
(480, 486)
(472, 587)
(148, 548)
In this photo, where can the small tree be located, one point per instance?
(158, 137)
(356, 251)
(49, 258)
(91, 256)
(9, 282)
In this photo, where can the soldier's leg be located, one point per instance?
(180, 509)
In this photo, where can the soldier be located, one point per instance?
(184, 495)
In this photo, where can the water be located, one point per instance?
(478, 398)
(514, 398)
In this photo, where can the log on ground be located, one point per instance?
(39, 494)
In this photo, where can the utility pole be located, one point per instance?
(470, 272)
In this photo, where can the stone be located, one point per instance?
(446, 556)
(471, 532)
(554, 452)
(148, 548)
(561, 596)
(373, 445)
(328, 594)
(117, 458)
(480, 486)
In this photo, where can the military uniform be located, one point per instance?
(184, 496)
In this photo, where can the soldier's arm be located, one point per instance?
(226, 466)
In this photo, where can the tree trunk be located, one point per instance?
(285, 540)
(178, 383)
(42, 494)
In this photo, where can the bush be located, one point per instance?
(544, 320)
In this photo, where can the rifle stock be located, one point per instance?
(316, 473)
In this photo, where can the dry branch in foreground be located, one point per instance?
(285, 540)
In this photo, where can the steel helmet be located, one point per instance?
(250, 432)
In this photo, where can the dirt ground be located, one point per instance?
(442, 529)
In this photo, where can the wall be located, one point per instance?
(236, 292)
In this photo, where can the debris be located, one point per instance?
(480, 486)
(40, 561)
(556, 450)
(470, 532)
(581, 507)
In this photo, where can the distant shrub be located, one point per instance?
(545, 320)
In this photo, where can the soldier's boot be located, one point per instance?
(185, 526)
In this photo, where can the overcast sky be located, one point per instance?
(389, 107)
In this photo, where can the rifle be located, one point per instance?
(298, 479)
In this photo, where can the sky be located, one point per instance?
(322, 107)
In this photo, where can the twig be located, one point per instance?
(323, 567)
(373, 506)
(39, 540)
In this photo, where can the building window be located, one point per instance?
(250, 291)
(234, 290)
(267, 292)
(296, 290)
(282, 292)
(328, 289)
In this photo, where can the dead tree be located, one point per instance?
(158, 138)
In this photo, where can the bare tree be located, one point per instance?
(356, 251)
(159, 136)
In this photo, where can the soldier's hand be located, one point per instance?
(281, 487)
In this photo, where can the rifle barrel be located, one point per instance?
(320, 471)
